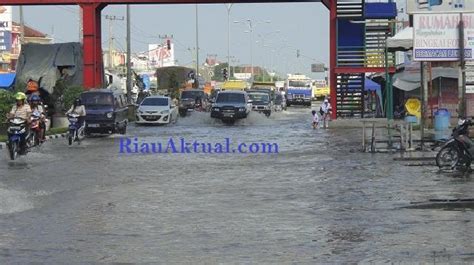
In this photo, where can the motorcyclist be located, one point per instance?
(35, 104)
(78, 109)
(198, 103)
(23, 111)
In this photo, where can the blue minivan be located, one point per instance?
(106, 111)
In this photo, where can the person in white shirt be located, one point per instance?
(78, 109)
(315, 119)
(325, 112)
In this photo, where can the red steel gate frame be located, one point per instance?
(92, 40)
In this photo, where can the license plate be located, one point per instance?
(93, 125)
(299, 99)
(15, 128)
(150, 117)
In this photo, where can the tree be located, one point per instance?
(218, 72)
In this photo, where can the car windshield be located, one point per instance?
(230, 97)
(155, 102)
(91, 99)
(259, 97)
(192, 94)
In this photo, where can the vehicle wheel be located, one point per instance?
(87, 133)
(124, 129)
(448, 157)
(69, 139)
(13, 150)
(183, 113)
(268, 114)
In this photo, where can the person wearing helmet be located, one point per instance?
(35, 104)
(78, 109)
(325, 111)
(23, 111)
(20, 109)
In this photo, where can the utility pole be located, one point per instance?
(129, 54)
(22, 27)
(196, 80)
(111, 18)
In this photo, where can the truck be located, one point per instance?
(320, 89)
(298, 90)
(235, 85)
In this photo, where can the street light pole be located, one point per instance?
(228, 6)
(196, 80)
(129, 59)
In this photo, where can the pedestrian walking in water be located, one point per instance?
(315, 119)
(325, 111)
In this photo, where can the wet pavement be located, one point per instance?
(317, 201)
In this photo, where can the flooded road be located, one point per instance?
(317, 201)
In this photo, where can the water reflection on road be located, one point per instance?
(317, 201)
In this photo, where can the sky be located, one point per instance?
(282, 28)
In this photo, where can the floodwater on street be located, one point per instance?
(319, 200)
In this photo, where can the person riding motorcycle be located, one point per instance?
(78, 109)
(35, 104)
(23, 111)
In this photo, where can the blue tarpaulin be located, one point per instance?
(371, 85)
(7, 80)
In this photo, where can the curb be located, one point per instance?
(3, 145)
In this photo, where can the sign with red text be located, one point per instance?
(436, 37)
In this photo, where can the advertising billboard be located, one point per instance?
(6, 18)
(160, 55)
(5, 41)
(436, 36)
(439, 6)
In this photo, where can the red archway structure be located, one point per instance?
(92, 40)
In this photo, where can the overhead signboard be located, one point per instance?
(436, 37)
(439, 6)
(318, 68)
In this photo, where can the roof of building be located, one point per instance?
(31, 32)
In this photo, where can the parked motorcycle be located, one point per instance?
(76, 131)
(457, 153)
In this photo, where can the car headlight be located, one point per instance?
(241, 109)
(216, 109)
(109, 115)
(140, 111)
(165, 112)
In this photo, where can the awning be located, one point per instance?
(411, 80)
(402, 41)
(7, 80)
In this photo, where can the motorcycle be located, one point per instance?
(458, 152)
(17, 130)
(76, 131)
(35, 129)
